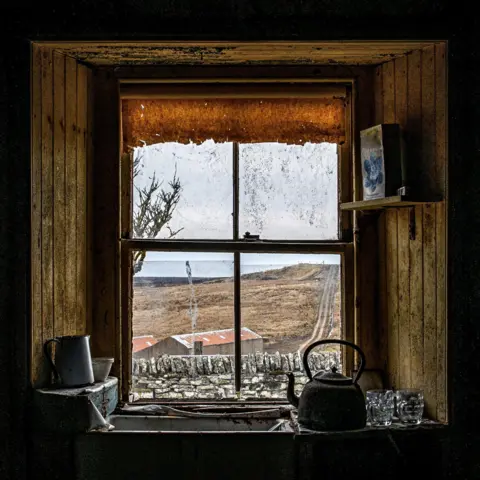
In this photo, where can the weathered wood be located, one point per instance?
(441, 327)
(367, 324)
(404, 276)
(391, 234)
(381, 203)
(428, 164)
(47, 200)
(36, 216)
(348, 304)
(388, 70)
(106, 212)
(413, 127)
(401, 85)
(201, 53)
(89, 200)
(416, 302)
(441, 117)
(71, 196)
(441, 220)
(382, 294)
(59, 232)
(81, 248)
(378, 95)
(429, 310)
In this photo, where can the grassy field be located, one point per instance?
(283, 305)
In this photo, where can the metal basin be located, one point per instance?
(141, 423)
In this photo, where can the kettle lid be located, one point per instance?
(333, 378)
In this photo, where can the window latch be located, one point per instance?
(250, 238)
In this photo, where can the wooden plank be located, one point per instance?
(441, 368)
(428, 163)
(59, 232)
(392, 295)
(71, 196)
(388, 70)
(391, 237)
(36, 360)
(401, 86)
(368, 337)
(106, 178)
(202, 90)
(413, 129)
(441, 118)
(403, 218)
(429, 231)
(348, 306)
(47, 199)
(404, 276)
(378, 89)
(382, 294)
(416, 302)
(441, 226)
(380, 203)
(81, 197)
(89, 200)
(429, 310)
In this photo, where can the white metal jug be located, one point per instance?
(73, 362)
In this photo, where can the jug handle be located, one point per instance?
(49, 355)
(341, 342)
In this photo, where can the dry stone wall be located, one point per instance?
(211, 377)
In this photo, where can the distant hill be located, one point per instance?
(283, 305)
(300, 272)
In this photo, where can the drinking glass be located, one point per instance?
(380, 407)
(410, 405)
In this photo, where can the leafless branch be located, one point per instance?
(154, 209)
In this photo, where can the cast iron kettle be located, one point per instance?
(73, 363)
(329, 401)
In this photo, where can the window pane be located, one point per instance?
(288, 301)
(289, 192)
(183, 326)
(183, 191)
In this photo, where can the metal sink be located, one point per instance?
(146, 423)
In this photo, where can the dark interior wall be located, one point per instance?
(242, 20)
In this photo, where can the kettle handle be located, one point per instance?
(48, 355)
(341, 342)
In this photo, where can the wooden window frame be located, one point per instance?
(343, 246)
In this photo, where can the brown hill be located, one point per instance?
(282, 305)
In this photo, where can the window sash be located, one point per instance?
(235, 247)
(342, 246)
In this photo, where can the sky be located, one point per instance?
(286, 192)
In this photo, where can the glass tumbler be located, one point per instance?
(410, 405)
(380, 407)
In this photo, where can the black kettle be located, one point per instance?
(329, 401)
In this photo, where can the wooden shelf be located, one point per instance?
(381, 203)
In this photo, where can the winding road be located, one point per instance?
(322, 326)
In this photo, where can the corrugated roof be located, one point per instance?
(215, 337)
(142, 342)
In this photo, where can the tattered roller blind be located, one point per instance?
(244, 114)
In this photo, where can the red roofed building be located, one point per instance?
(142, 342)
(216, 342)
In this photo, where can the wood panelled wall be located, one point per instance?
(411, 91)
(59, 158)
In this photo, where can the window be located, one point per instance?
(234, 249)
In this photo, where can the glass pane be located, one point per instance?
(288, 301)
(183, 326)
(289, 192)
(183, 191)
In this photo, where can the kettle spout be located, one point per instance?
(291, 397)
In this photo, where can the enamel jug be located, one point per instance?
(330, 400)
(73, 363)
